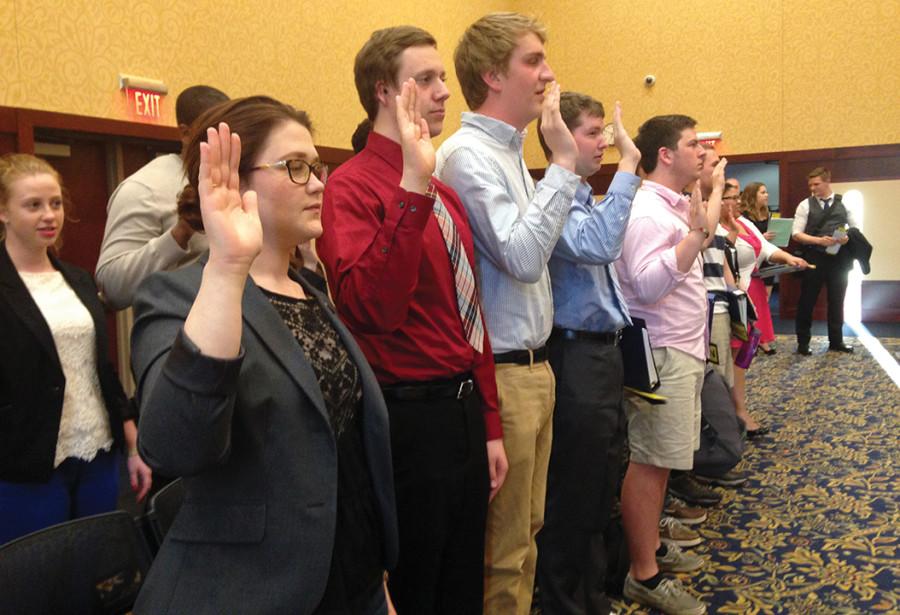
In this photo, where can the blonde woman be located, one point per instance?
(61, 403)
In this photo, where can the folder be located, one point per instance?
(741, 311)
(782, 227)
(773, 270)
(641, 376)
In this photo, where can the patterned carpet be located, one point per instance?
(815, 530)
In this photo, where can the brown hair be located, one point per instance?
(253, 118)
(16, 166)
(379, 60)
(749, 206)
(660, 131)
(487, 45)
(822, 172)
(571, 104)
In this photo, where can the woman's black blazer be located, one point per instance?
(32, 382)
(252, 440)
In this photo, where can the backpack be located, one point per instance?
(721, 433)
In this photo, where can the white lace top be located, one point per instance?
(84, 428)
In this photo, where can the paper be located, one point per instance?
(839, 234)
(782, 228)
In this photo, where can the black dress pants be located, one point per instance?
(830, 271)
(583, 477)
(442, 487)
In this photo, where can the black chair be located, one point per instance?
(92, 565)
(164, 506)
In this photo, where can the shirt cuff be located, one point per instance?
(168, 249)
(493, 428)
(559, 178)
(670, 263)
(193, 371)
(410, 209)
(625, 183)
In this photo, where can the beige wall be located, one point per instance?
(65, 55)
(827, 72)
(774, 75)
(880, 223)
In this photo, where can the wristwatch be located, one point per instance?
(702, 230)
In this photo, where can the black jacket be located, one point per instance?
(252, 440)
(32, 382)
(858, 248)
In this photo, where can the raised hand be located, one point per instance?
(718, 175)
(415, 141)
(697, 212)
(629, 154)
(231, 220)
(556, 133)
(726, 216)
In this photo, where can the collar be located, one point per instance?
(673, 199)
(498, 129)
(386, 149)
(830, 197)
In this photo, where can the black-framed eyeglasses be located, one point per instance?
(298, 170)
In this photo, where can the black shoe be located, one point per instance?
(731, 478)
(841, 348)
(770, 351)
(685, 487)
(804, 350)
(752, 434)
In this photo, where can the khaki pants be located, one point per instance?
(527, 396)
(720, 337)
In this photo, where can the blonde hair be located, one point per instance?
(14, 167)
(488, 45)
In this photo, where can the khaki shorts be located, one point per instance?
(720, 347)
(666, 435)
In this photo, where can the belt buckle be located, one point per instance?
(618, 338)
(465, 389)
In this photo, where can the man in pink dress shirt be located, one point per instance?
(661, 275)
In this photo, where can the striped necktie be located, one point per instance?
(466, 294)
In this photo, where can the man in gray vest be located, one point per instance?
(815, 222)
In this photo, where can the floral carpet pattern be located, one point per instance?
(815, 530)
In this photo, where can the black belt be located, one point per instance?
(522, 357)
(611, 338)
(455, 388)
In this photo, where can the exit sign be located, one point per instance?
(144, 104)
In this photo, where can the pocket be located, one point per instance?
(220, 523)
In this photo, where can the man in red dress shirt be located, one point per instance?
(398, 254)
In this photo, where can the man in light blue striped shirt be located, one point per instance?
(589, 420)
(502, 68)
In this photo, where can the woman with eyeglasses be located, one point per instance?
(61, 403)
(750, 250)
(256, 395)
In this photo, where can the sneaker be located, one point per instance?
(688, 515)
(672, 531)
(678, 560)
(729, 479)
(670, 597)
(685, 487)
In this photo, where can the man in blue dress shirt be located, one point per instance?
(588, 421)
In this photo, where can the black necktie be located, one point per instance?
(825, 204)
